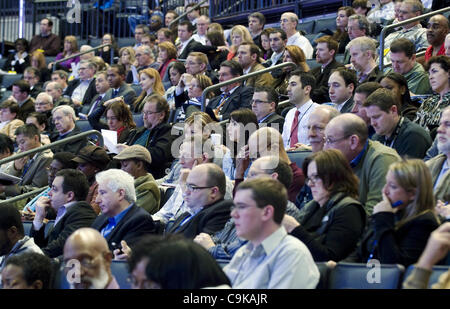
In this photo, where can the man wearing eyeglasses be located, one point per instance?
(67, 198)
(82, 90)
(264, 105)
(370, 160)
(207, 210)
(271, 258)
(87, 249)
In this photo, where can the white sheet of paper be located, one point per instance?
(110, 140)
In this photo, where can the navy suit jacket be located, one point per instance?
(77, 216)
(128, 94)
(136, 223)
(240, 98)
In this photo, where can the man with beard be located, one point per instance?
(88, 247)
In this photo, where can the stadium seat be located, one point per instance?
(298, 156)
(438, 270)
(138, 120)
(307, 27)
(49, 59)
(312, 63)
(339, 58)
(84, 125)
(95, 42)
(2, 62)
(8, 80)
(324, 271)
(325, 23)
(122, 42)
(137, 89)
(360, 276)
(27, 225)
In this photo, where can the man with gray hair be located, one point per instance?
(87, 56)
(412, 31)
(202, 27)
(363, 52)
(82, 90)
(145, 59)
(55, 90)
(358, 26)
(369, 160)
(121, 219)
(288, 23)
(64, 121)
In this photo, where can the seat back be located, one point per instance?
(325, 23)
(9, 80)
(298, 156)
(307, 26)
(361, 276)
(138, 120)
(438, 270)
(27, 226)
(324, 271)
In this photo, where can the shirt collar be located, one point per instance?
(269, 244)
(267, 116)
(305, 106)
(358, 158)
(120, 215)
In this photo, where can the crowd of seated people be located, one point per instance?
(210, 179)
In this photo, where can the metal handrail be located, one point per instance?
(417, 18)
(241, 78)
(185, 13)
(23, 196)
(53, 145)
(111, 50)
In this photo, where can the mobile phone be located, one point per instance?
(396, 204)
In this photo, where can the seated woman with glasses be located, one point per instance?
(118, 118)
(403, 221)
(334, 220)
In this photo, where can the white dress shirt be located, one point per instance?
(302, 130)
(303, 43)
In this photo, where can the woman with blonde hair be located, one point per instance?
(238, 34)
(70, 48)
(403, 221)
(151, 83)
(38, 62)
(127, 56)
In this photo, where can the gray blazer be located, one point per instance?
(442, 191)
(35, 176)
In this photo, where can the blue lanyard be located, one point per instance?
(373, 250)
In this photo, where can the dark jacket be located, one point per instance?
(402, 245)
(190, 47)
(319, 94)
(73, 147)
(159, 144)
(136, 223)
(26, 109)
(77, 216)
(209, 220)
(240, 98)
(274, 120)
(348, 106)
(331, 232)
(17, 67)
(90, 93)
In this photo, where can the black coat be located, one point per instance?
(159, 144)
(136, 223)
(331, 232)
(275, 121)
(240, 98)
(73, 147)
(77, 216)
(320, 93)
(209, 220)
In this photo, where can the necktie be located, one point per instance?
(179, 49)
(294, 130)
(94, 106)
(225, 96)
(115, 93)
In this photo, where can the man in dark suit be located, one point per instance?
(264, 105)
(325, 52)
(102, 87)
(82, 90)
(64, 120)
(67, 198)
(121, 220)
(32, 76)
(234, 96)
(21, 94)
(207, 209)
(342, 84)
(116, 78)
(187, 42)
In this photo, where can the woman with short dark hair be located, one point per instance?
(334, 220)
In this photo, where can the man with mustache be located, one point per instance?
(437, 28)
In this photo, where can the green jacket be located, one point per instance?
(371, 171)
(147, 193)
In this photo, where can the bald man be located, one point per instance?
(437, 29)
(370, 160)
(87, 249)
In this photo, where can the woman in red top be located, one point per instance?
(167, 54)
